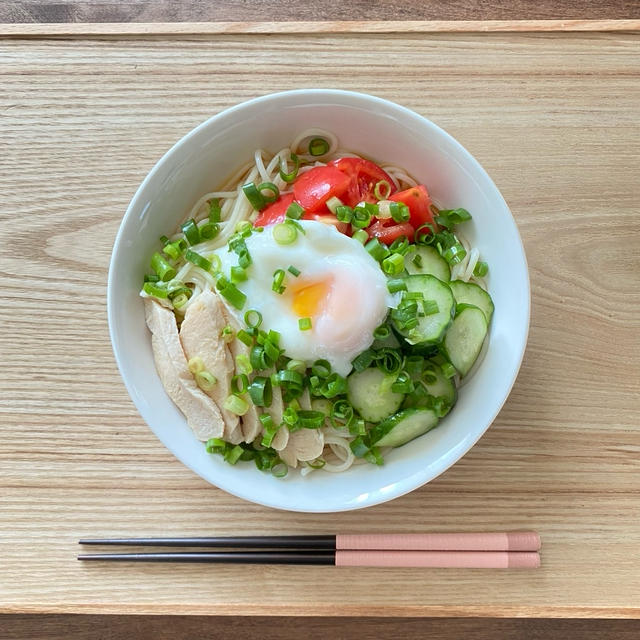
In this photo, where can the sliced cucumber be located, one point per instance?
(430, 329)
(471, 293)
(370, 394)
(427, 260)
(402, 427)
(464, 338)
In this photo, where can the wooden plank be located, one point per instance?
(117, 29)
(288, 10)
(552, 117)
(83, 627)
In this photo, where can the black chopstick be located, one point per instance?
(241, 542)
(318, 557)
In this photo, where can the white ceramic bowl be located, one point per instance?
(385, 132)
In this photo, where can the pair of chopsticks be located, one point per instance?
(498, 550)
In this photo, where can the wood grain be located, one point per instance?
(117, 29)
(40, 11)
(553, 118)
(82, 627)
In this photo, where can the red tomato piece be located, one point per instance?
(419, 203)
(364, 176)
(275, 212)
(329, 218)
(313, 188)
(387, 233)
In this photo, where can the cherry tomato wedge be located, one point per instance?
(364, 175)
(419, 203)
(387, 233)
(275, 212)
(313, 188)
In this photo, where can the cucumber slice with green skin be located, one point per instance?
(402, 427)
(429, 262)
(369, 392)
(464, 338)
(471, 293)
(430, 329)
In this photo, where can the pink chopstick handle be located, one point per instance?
(440, 559)
(501, 541)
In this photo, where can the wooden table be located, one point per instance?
(555, 119)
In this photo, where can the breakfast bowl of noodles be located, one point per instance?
(318, 300)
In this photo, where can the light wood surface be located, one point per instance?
(552, 117)
(309, 27)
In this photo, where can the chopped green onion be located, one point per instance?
(400, 245)
(429, 377)
(290, 416)
(151, 278)
(297, 365)
(333, 204)
(430, 307)
(244, 228)
(253, 195)
(363, 360)
(373, 456)
(294, 211)
(425, 234)
(382, 332)
(417, 260)
(290, 177)
(321, 368)
(278, 279)
(270, 187)
(413, 366)
(239, 383)
(215, 445)
(382, 190)
(399, 212)
(173, 250)
(279, 470)
(164, 239)
(361, 236)
(209, 230)
(481, 269)
(376, 249)
(334, 385)
(243, 364)
(232, 455)
(310, 419)
(293, 271)
(152, 289)
(260, 391)
(243, 336)
(238, 274)
(253, 318)
(344, 213)
(341, 411)
(274, 337)
(229, 291)
(191, 231)
(361, 217)
(296, 225)
(393, 264)
(164, 270)
(206, 380)
(270, 429)
(318, 463)
(403, 383)
(284, 233)
(389, 361)
(304, 324)
(215, 211)
(396, 285)
(197, 259)
(180, 301)
(272, 352)
(450, 217)
(235, 404)
(448, 370)
(257, 358)
(196, 365)
(318, 147)
(454, 254)
(289, 377)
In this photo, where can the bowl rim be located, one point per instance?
(412, 481)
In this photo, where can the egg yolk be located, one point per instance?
(309, 299)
